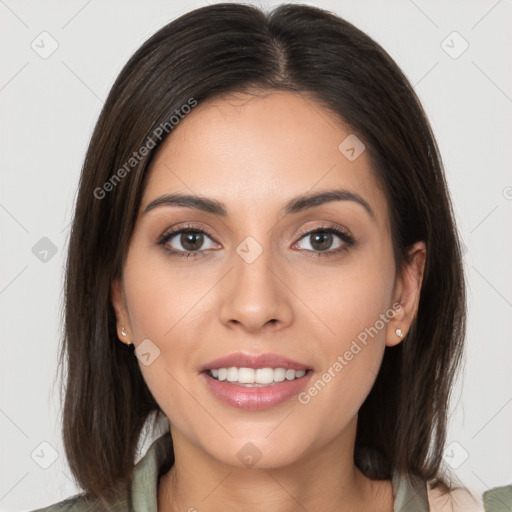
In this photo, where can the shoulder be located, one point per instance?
(498, 498)
(78, 503)
(75, 503)
(456, 500)
(143, 485)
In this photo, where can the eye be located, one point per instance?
(186, 241)
(321, 240)
(189, 241)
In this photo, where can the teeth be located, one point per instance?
(250, 376)
(246, 375)
(264, 375)
(232, 374)
(280, 374)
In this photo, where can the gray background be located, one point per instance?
(49, 107)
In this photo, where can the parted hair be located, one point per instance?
(230, 48)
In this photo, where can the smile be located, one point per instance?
(255, 377)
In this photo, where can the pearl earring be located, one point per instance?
(399, 333)
(124, 334)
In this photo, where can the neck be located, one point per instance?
(326, 479)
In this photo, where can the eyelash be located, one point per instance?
(344, 236)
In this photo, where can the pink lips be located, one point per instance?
(255, 398)
(244, 360)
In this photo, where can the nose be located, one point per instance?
(254, 295)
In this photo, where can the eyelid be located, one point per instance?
(325, 226)
(171, 232)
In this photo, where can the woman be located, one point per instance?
(263, 221)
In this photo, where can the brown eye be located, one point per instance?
(321, 241)
(187, 242)
(191, 240)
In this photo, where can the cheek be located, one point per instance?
(163, 297)
(168, 305)
(354, 306)
(351, 298)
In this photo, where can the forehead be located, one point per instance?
(252, 151)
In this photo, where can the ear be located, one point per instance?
(407, 293)
(118, 300)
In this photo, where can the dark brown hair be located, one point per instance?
(228, 48)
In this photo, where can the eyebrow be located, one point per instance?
(295, 205)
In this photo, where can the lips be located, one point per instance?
(245, 360)
(255, 396)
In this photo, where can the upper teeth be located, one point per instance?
(256, 376)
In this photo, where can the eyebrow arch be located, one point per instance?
(295, 205)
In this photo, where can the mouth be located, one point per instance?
(255, 381)
(255, 377)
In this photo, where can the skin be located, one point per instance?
(268, 148)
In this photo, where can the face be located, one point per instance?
(266, 282)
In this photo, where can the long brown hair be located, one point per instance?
(216, 50)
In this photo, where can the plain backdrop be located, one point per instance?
(58, 62)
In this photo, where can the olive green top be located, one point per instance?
(498, 499)
(410, 493)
